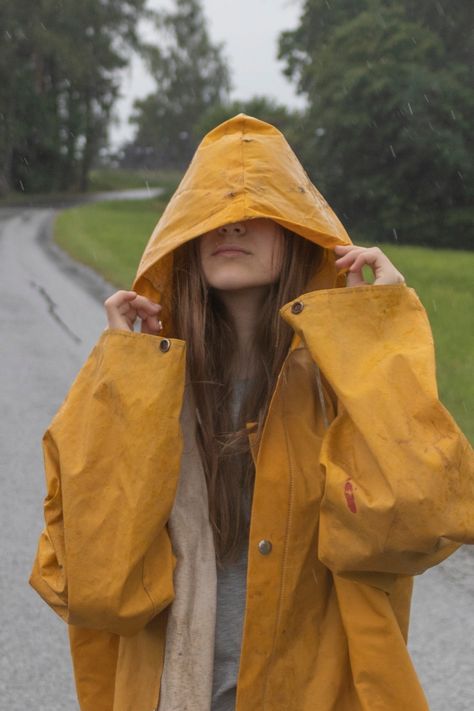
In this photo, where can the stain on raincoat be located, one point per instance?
(352, 511)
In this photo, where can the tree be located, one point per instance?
(58, 79)
(191, 76)
(262, 108)
(387, 130)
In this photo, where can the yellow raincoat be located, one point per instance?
(352, 509)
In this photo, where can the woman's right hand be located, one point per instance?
(124, 307)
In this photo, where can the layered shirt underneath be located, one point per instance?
(205, 621)
(230, 604)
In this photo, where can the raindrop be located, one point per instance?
(8, 35)
(426, 99)
(148, 186)
(413, 39)
(395, 233)
(460, 174)
(435, 307)
(22, 186)
(328, 5)
(453, 115)
(392, 150)
(464, 405)
(440, 8)
(410, 108)
(43, 26)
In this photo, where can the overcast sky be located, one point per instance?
(249, 30)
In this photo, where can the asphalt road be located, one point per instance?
(50, 316)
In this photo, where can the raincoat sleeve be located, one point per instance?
(112, 454)
(399, 476)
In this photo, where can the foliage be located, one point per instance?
(110, 237)
(261, 107)
(58, 81)
(388, 132)
(191, 76)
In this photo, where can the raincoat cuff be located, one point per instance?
(136, 335)
(345, 297)
(351, 312)
(116, 338)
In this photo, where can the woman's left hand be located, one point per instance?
(353, 258)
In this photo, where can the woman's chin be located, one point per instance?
(233, 282)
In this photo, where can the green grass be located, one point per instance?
(110, 237)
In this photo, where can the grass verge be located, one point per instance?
(110, 237)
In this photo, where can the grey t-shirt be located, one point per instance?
(230, 609)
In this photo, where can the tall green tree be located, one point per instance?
(191, 76)
(59, 63)
(388, 129)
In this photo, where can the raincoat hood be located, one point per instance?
(243, 169)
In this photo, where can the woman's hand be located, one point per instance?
(353, 258)
(124, 307)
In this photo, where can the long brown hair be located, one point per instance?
(202, 320)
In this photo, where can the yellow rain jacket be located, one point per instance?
(352, 509)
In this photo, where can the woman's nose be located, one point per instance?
(232, 229)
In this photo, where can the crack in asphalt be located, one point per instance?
(52, 306)
(88, 279)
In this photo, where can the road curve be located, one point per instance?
(50, 315)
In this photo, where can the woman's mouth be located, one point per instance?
(229, 250)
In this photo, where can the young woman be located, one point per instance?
(239, 495)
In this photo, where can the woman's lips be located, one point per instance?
(229, 251)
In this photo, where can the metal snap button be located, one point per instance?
(165, 345)
(265, 547)
(297, 307)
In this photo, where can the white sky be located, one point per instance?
(249, 30)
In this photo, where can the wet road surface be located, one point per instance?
(50, 316)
